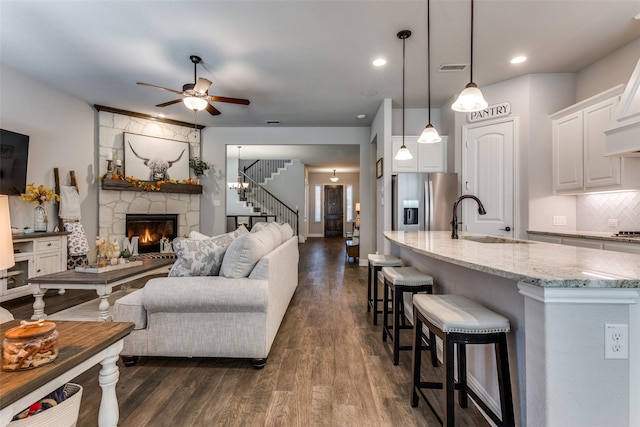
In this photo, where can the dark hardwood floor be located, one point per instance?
(328, 366)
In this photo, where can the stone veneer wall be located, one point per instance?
(114, 205)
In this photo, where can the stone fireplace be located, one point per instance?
(150, 229)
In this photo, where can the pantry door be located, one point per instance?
(488, 172)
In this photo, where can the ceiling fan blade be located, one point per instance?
(166, 104)
(160, 87)
(230, 100)
(212, 110)
(202, 85)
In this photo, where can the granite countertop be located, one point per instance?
(538, 263)
(588, 235)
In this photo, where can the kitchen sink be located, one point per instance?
(492, 239)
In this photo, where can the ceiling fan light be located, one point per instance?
(429, 135)
(403, 154)
(194, 103)
(470, 100)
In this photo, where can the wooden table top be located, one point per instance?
(77, 342)
(72, 276)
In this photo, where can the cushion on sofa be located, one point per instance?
(274, 229)
(286, 231)
(196, 235)
(245, 252)
(202, 257)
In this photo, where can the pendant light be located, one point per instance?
(334, 178)
(239, 185)
(471, 98)
(429, 134)
(403, 152)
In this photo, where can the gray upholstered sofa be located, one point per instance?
(234, 314)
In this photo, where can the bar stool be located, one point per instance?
(458, 320)
(397, 281)
(376, 262)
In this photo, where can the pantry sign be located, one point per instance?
(491, 112)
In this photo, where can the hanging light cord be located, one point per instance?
(403, 49)
(471, 65)
(429, 57)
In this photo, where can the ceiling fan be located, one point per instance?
(195, 95)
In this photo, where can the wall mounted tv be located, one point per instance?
(14, 151)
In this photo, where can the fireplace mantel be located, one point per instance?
(120, 185)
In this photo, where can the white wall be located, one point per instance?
(381, 134)
(62, 134)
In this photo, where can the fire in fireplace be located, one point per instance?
(150, 229)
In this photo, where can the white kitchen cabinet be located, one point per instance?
(35, 255)
(546, 239)
(586, 242)
(582, 243)
(579, 161)
(426, 157)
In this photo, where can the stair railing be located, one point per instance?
(269, 204)
(260, 170)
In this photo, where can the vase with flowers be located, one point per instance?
(106, 250)
(40, 195)
(199, 167)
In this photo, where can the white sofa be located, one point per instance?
(236, 316)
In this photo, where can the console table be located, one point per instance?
(102, 283)
(81, 345)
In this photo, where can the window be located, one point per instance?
(318, 204)
(349, 203)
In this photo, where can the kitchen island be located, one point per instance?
(558, 300)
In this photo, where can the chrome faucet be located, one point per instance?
(454, 221)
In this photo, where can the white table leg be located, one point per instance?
(104, 305)
(38, 303)
(109, 412)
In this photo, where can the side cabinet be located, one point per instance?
(35, 255)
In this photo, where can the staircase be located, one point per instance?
(259, 199)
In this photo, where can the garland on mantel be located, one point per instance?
(149, 185)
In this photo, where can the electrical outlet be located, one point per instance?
(616, 341)
(559, 220)
(612, 223)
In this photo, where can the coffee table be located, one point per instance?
(102, 283)
(81, 345)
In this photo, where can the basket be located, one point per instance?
(65, 414)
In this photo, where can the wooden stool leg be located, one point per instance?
(397, 307)
(448, 383)
(433, 349)
(417, 357)
(369, 290)
(385, 311)
(504, 381)
(462, 375)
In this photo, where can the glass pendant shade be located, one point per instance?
(403, 154)
(429, 135)
(194, 103)
(470, 100)
(334, 178)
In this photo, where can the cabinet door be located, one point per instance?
(567, 152)
(405, 165)
(599, 171)
(433, 157)
(47, 263)
(582, 243)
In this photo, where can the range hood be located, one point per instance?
(623, 136)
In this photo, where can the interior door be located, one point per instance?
(333, 211)
(488, 173)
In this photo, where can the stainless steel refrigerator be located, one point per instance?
(423, 201)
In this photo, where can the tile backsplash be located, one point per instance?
(593, 211)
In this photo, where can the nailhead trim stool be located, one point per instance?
(458, 320)
(376, 262)
(397, 281)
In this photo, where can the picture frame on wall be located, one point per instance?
(149, 158)
(379, 168)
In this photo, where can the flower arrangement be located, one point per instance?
(39, 194)
(199, 166)
(106, 248)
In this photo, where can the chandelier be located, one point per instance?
(240, 185)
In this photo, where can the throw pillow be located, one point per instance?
(195, 235)
(258, 226)
(286, 231)
(274, 229)
(77, 243)
(200, 257)
(245, 252)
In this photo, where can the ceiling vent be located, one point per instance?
(273, 122)
(449, 68)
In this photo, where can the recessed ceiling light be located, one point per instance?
(379, 62)
(361, 116)
(518, 59)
